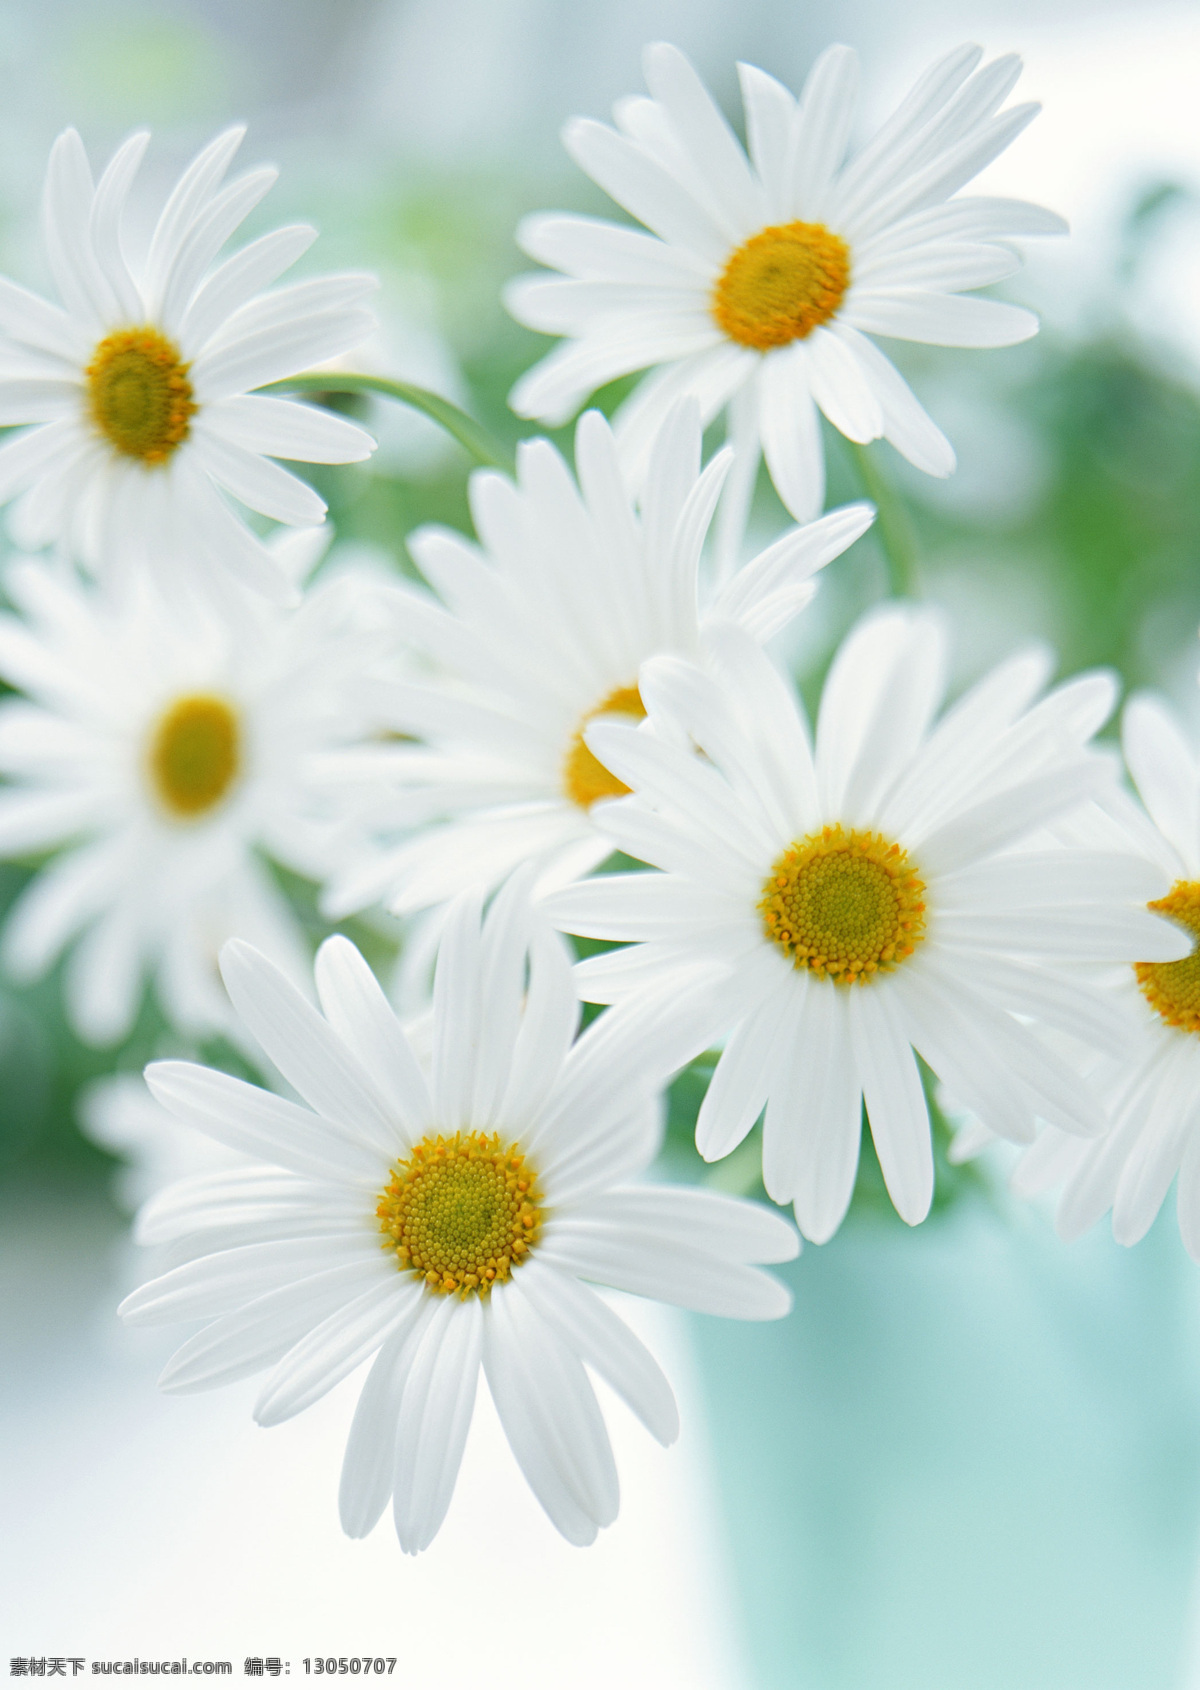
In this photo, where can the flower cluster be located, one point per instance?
(836, 918)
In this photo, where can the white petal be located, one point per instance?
(705, 136)
(730, 1227)
(793, 558)
(873, 685)
(238, 279)
(629, 175)
(1168, 1122)
(212, 1285)
(595, 250)
(283, 429)
(257, 1333)
(29, 454)
(613, 1070)
(601, 1339)
(457, 1009)
(682, 784)
(547, 1029)
(895, 1101)
(1098, 934)
(66, 212)
(187, 200)
(1089, 1192)
(905, 422)
(841, 388)
(1164, 769)
(631, 906)
(1078, 1009)
(33, 820)
(894, 143)
(60, 900)
(1050, 880)
(960, 1034)
(284, 349)
(744, 1077)
(791, 436)
(770, 117)
(335, 1347)
(1005, 817)
(257, 1122)
(825, 1125)
(104, 977)
(553, 389)
(358, 1010)
(205, 237)
(550, 1415)
(820, 133)
(256, 481)
(303, 1046)
(435, 1416)
(35, 322)
(670, 1272)
(938, 319)
(369, 1467)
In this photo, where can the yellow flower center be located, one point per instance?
(585, 779)
(1173, 988)
(462, 1212)
(845, 905)
(195, 752)
(781, 284)
(139, 394)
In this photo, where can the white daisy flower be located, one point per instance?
(881, 896)
(762, 278)
(446, 1220)
(158, 751)
(1155, 1095)
(138, 385)
(541, 628)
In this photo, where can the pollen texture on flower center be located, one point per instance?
(1173, 988)
(585, 779)
(462, 1212)
(194, 756)
(844, 904)
(139, 394)
(781, 284)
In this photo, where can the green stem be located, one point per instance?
(892, 524)
(469, 434)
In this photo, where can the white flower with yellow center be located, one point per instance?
(762, 278)
(446, 1220)
(541, 628)
(138, 385)
(884, 895)
(1154, 1096)
(158, 750)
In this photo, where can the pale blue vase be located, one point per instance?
(968, 1460)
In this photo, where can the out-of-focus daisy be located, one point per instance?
(446, 1219)
(541, 628)
(156, 1150)
(1155, 1095)
(138, 385)
(883, 895)
(158, 750)
(762, 279)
